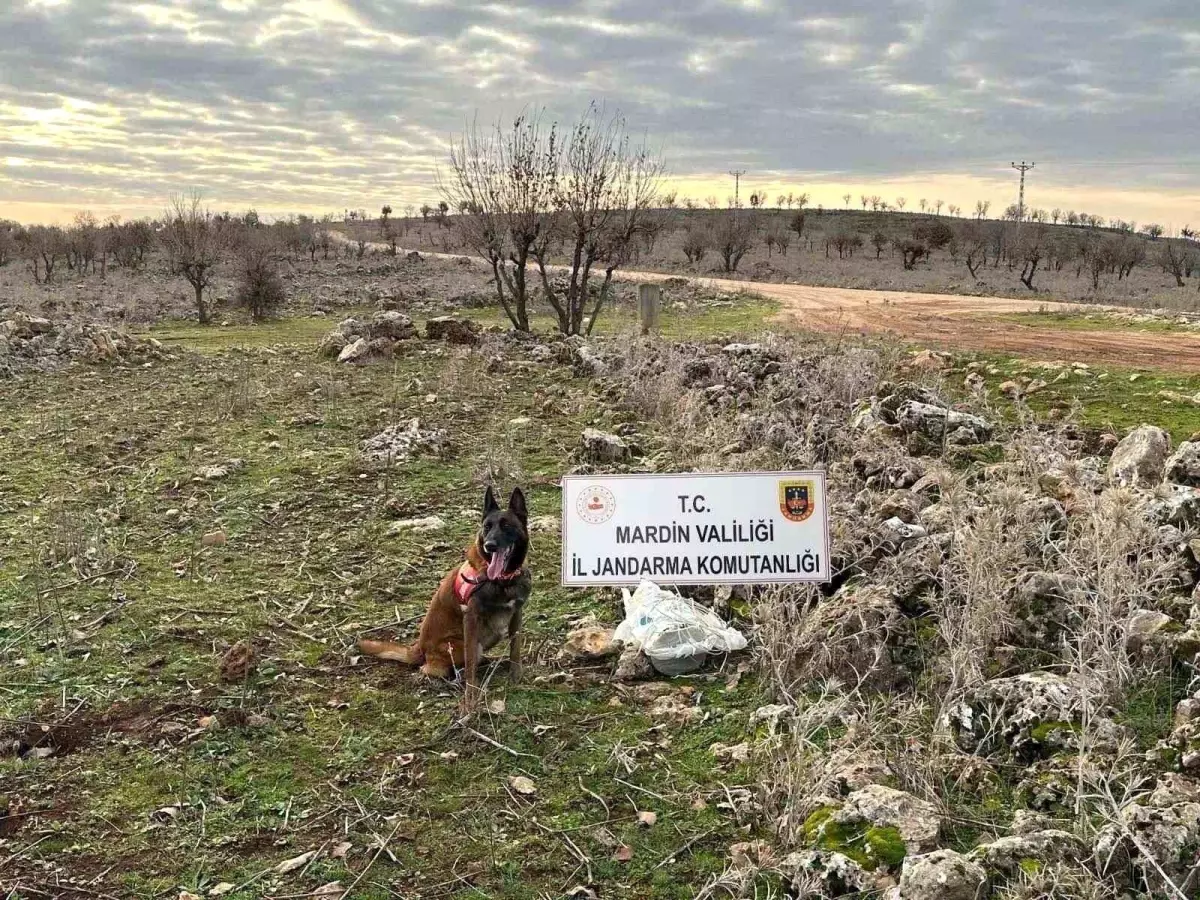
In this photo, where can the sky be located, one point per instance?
(322, 105)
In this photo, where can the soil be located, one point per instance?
(969, 323)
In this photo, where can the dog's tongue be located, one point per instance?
(497, 564)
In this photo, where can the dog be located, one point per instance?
(477, 604)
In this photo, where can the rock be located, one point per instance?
(588, 362)
(633, 665)
(1030, 715)
(1151, 840)
(393, 325)
(1045, 608)
(398, 443)
(1184, 465)
(935, 424)
(601, 447)
(213, 539)
(355, 352)
(942, 875)
(522, 785)
(352, 328)
(898, 530)
(1175, 504)
(731, 754)
(1145, 631)
(332, 345)
(1005, 855)
(928, 361)
(902, 505)
(825, 873)
(419, 526)
(590, 642)
(1141, 457)
(239, 661)
(855, 637)
(452, 330)
(883, 807)
(1011, 390)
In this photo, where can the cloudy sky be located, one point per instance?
(320, 105)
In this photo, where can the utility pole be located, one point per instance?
(1021, 167)
(737, 182)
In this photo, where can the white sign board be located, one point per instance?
(729, 528)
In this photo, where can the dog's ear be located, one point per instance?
(516, 503)
(489, 503)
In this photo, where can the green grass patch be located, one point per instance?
(1063, 320)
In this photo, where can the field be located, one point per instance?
(809, 261)
(157, 511)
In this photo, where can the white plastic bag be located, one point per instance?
(675, 633)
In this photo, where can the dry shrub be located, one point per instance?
(965, 617)
(260, 290)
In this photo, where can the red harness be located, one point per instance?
(467, 580)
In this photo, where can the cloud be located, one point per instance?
(326, 104)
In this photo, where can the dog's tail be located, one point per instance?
(411, 655)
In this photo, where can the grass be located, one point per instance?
(1110, 398)
(1092, 321)
(124, 641)
(114, 617)
(747, 315)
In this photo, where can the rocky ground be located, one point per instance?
(995, 695)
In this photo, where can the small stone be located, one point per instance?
(522, 785)
(213, 539)
(942, 875)
(354, 352)
(238, 662)
(1140, 458)
(647, 819)
(590, 642)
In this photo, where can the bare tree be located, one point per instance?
(733, 238)
(1030, 252)
(1153, 231)
(195, 243)
(879, 241)
(384, 225)
(604, 195)
(695, 244)
(797, 225)
(801, 201)
(911, 251)
(591, 191)
(981, 209)
(864, 199)
(8, 241)
(507, 177)
(973, 245)
(846, 200)
(937, 206)
(900, 202)
(923, 203)
(1173, 258)
(260, 290)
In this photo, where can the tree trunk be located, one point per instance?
(201, 309)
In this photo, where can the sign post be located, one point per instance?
(725, 528)
(649, 303)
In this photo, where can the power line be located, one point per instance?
(1023, 167)
(737, 182)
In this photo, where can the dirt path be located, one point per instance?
(966, 323)
(959, 322)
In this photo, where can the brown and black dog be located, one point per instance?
(477, 604)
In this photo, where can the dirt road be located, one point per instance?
(969, 323)
(955, 321)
